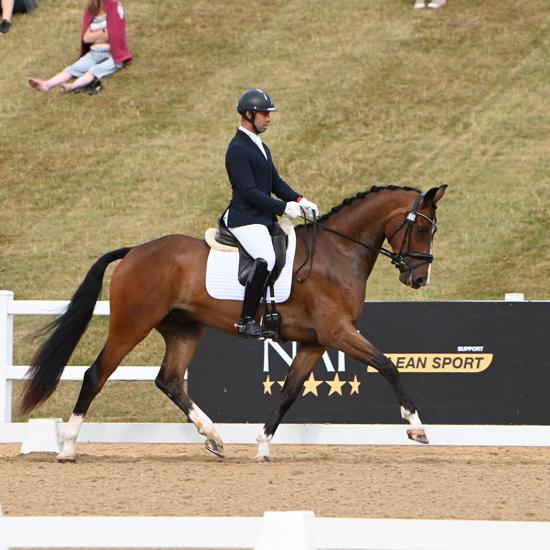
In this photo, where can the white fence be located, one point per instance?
(356, 434)
(9, 308)
(275, 531)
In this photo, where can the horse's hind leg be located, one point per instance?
(94, 379)
(182, 339)
(302, 365)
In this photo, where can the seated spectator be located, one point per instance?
(103, 48)
(9, 7)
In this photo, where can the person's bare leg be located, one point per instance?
(86, 78)
(45, 85)
(7, 10)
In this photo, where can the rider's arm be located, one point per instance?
(281, 188)
(242, 180)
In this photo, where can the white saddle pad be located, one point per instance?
(222, 280)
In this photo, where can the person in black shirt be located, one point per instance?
(253, 178)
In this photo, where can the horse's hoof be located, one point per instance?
(418, 435)
(263, 459)
(215, 447)
(62, 458)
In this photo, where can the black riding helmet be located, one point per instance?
(255, 100)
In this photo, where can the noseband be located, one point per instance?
(398, 259)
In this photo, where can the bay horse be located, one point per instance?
(161, 285)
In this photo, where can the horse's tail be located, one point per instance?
(54, 353)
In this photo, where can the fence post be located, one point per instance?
(6, 354)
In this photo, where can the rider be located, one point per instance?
(252, 210)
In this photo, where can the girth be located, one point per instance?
(278, 238)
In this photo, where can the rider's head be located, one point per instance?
(251, 103)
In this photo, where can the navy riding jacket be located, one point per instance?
(253, 178)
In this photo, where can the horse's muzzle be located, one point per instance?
(406, 277)
(421, 281)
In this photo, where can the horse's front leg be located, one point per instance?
(348, 340)
(302, 365)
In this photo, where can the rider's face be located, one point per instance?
(261, 121)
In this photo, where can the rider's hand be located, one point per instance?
(308, 205)
(293, 209)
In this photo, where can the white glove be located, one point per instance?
(308, 205)
(293, 209)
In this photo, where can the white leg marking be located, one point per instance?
(70, 433)
(412, 418)
(263, 446)
(204, 425)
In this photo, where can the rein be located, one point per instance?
(310, 249)
(397, 258)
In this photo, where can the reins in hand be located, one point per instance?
(310, 248)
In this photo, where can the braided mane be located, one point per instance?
(362, 195)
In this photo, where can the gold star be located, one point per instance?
(354, 385)
(267, 385)
(310, 385)
(336, 385)
(281, 382)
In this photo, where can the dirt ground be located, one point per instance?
(333, 481)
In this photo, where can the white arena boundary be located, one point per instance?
(299, 434)
(322, 434)
(273, 531)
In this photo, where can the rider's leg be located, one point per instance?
(256, 240)
(253, 292)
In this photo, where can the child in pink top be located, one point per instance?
(103, 48)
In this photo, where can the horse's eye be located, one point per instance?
(420, 230)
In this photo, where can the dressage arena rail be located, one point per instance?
(339, 434)
(273, 531)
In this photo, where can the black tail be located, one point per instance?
(53, 355)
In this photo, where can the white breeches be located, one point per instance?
(256, 240)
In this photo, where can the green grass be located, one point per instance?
(368, 92)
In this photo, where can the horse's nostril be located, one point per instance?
(421, 281)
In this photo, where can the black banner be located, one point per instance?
(461, 362)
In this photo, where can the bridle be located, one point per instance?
(398, 259)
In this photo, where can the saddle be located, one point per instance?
(238, 265)
(222, 239)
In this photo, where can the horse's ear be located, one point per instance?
(435, 194)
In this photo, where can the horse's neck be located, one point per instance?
(363, 220)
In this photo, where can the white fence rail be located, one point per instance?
(9, 308)
(273, 531)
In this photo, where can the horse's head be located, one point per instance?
(411, 236)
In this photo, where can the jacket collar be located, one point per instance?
(243, 136)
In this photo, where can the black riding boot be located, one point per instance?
(253, 292)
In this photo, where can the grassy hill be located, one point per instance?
(369, 93)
